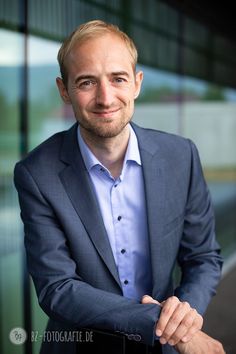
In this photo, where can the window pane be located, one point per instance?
(47, 115)
(157, 106)
(11, 235)
(209, 119)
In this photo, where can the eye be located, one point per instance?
(84, 85)
(119, 79)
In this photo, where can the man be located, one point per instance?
(109, 207)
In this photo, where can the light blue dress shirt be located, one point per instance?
(123, 208)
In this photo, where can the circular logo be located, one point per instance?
(18, 335)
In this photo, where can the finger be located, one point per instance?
(196, 326)
(181, 310)
(146, 299)
(167, 311)
(186, 327)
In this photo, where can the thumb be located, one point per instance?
(146, 299)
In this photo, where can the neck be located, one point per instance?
(109, 151)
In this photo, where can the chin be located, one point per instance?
(109, 131)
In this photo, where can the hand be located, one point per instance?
(178, 321)
(201, 343)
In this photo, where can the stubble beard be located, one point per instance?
(104, 129)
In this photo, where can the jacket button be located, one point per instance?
(137, 337)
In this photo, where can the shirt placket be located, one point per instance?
(122, 244)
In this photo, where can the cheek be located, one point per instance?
(127, 97)
(130, 102)
(80, 101)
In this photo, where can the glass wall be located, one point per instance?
(209, 119)
(158, 104)
(47, 114)
(169, 101)
(11, 235)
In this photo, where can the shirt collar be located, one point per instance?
(90, 160)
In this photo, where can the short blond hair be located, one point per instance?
(90, 30)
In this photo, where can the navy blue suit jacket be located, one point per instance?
(68, 251)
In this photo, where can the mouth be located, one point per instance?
(106, 113)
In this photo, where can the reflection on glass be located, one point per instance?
(11, 59)
(47, 114)
(209, 119)
(157, 106)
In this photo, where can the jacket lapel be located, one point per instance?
(77, 183)
(154, 171)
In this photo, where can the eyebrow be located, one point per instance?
(89, 76)
(84, 77)
(120, 73)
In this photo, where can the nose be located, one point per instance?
(104, 95)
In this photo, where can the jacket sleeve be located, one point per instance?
(62, 293)
(199, 253)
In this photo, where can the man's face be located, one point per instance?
(101, 85)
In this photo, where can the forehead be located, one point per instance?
(100, 52)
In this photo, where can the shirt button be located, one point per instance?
(119, 218)
(123, 251)
(126, 282)
(102, 169)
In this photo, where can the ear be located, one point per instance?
(62, 90)
(138, 83)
